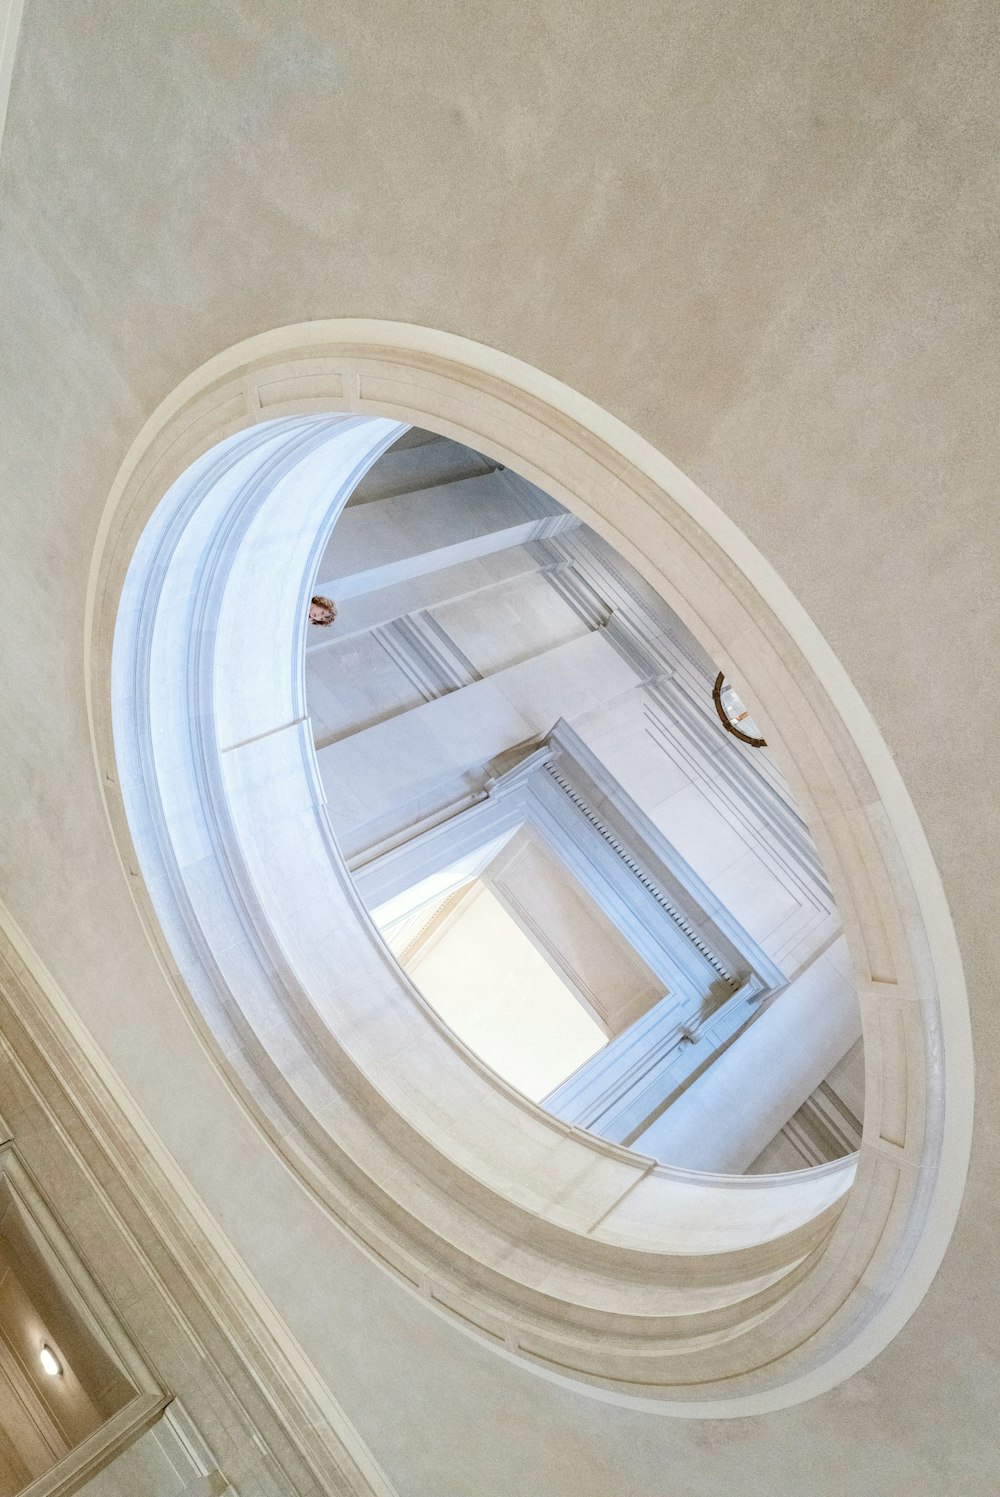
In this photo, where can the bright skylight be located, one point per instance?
(498, 993)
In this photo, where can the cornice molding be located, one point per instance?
(62, 1066)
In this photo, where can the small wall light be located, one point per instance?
(735, 717)
(51, 1364)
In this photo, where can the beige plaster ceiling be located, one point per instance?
(762, 236)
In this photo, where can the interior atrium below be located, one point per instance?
(591, 869)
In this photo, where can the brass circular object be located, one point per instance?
(729, 722)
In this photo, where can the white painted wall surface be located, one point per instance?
(494, 988)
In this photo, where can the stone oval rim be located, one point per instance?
(462, 387)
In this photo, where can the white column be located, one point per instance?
(732, 1112)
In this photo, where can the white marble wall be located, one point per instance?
(828, 1123)
(419, 460)
(462, 635)
(730, 854)
(731, 1113)
(502, 997)
(510, 622)
(577, 938)
(413, 533)
(382, 781)
(490, 622)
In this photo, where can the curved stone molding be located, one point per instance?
(699, 1294)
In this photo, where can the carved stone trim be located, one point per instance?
(208, 1296)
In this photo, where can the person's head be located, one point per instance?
(322, 612)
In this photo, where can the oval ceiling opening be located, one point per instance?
(509, 758)
(612, 901)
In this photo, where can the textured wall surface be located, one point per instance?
(764, 236)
